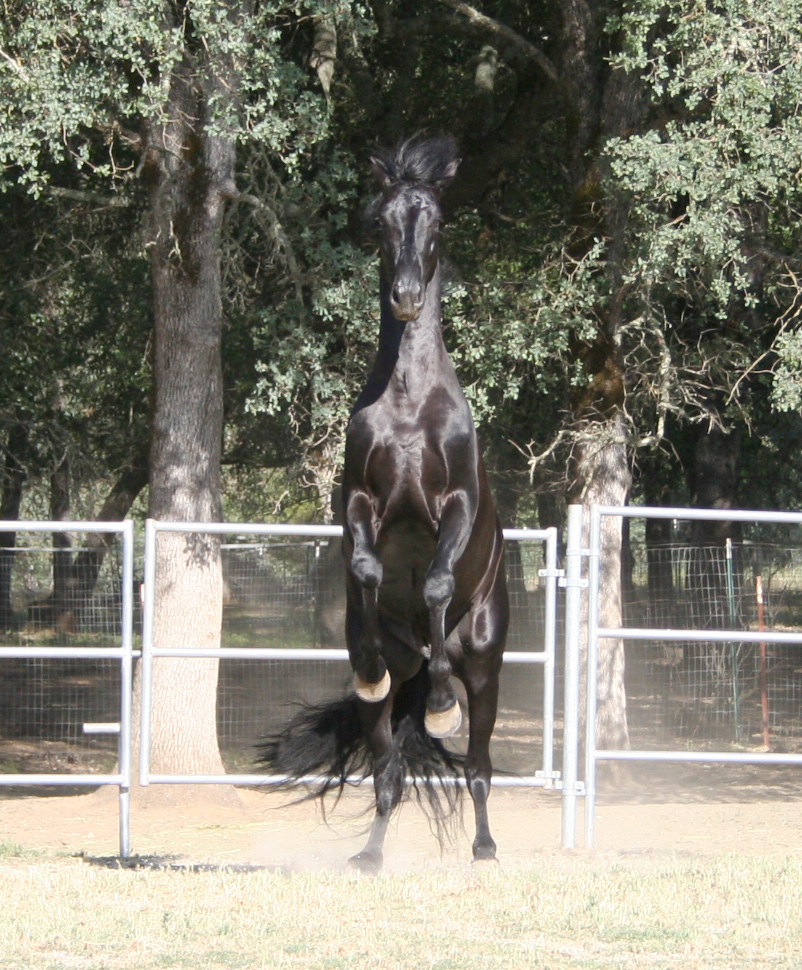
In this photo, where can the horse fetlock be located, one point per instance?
(368, 861)
(484, 850)
(442, 697)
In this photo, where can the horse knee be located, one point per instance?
(438, 588)
(367, 570)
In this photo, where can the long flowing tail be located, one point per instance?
(322, 749)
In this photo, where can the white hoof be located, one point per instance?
(372, 693)
(443, 724)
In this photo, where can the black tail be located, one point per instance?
(325, 743)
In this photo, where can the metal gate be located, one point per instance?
(544, 652)
(729, 639)
(118, 626)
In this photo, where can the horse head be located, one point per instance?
(409, 214)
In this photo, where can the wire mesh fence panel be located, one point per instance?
(698, 693)
(291, 593)
(52, 596)
(44, 704)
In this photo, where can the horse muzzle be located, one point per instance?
(407, 296)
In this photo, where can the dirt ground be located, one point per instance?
(707, 809)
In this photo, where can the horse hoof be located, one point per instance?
(372, 693)
(485, 853)
(443, 724)
(366, 862)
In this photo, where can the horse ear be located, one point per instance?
(380, 173)
(449, 171)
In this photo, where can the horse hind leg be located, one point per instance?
(482, 690)
(388, 783)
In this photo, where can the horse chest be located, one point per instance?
(407, 476)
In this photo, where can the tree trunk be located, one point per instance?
(602, 471)
(75, 577)
(55, 611)
(716, 470)
(88, 560)
(658, 560)
(714, 485)
(62, 546)
(13, 481)
(191, 175)
(601, 102)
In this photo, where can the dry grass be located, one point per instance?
(571, 912)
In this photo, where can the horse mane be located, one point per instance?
(419, 160)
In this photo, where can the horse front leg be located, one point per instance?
(371, 677)
(443, 716)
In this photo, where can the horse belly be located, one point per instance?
(406, 551)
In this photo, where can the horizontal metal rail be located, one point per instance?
(704, 757)
(303, 653)
(64, 780)
(267, 781)
(290, 529)
(64, 653)
(243, 528)
(692, 515)
(692, 636)
(64, 525)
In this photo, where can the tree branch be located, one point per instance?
(93, 198)
(499, 30)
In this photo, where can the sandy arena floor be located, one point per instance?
(708, 809)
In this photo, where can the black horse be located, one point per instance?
(426, 591)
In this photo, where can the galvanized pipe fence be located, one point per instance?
(123, 653)
(595, 633)
(545, 777)
(582, 592)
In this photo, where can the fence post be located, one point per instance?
(592, 672)
(146, 663)
(549, 648)
(126, 687)
(573, 620)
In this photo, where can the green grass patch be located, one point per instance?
(12, 850)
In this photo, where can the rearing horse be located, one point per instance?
(426, 590)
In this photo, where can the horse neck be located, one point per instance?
(411, 352)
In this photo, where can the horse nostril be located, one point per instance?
(396, 295)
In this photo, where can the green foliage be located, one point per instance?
(697, 290)
(787, 394)
(79, 84)
(711, 183)
(75, 332)
(77, 79)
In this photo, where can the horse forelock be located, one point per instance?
(420, 160)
